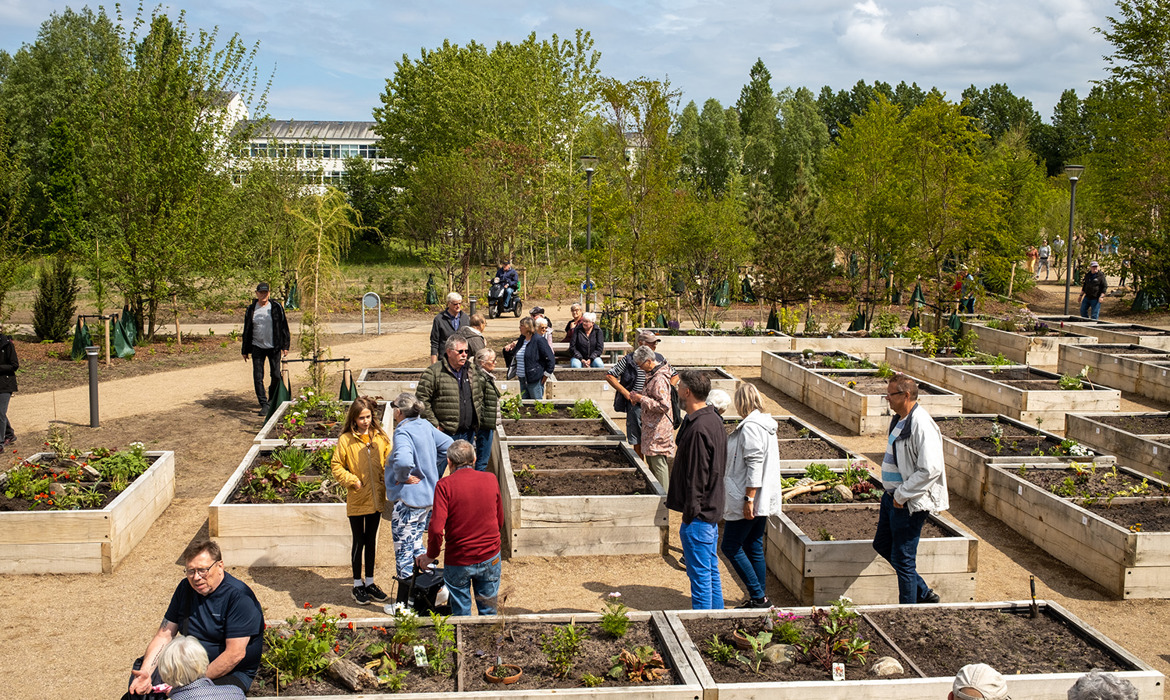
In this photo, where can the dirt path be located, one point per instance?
(77, 634)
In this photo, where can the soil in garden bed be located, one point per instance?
(1022, 446)
(522, 646)
(586, 374)
(1137, 330)
(567, 428)
(389, 375)
(1146, 515)
(830, 496)
(1094, 481)
(809, 448)
(529, 411)
(1123, 350)
(609, 482)
(941, 641)
(321, 491)
(701, 630)
(874, 385)
(567, 457)
(785, 429)
(55, 467)
(849, 523)
(1158, 424)
(1019, 374)
(978, 427)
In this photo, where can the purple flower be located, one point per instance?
(672, 325)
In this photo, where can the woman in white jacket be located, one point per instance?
(752, 483)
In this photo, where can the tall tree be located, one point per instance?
(801, 140)
(13, 198)
(997, 110)
(757, 108)
(687, 142)
(793, 250)
(718, 156)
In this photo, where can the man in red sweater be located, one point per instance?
(469, 512)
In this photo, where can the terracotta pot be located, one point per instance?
(741, 640)
(514, 674)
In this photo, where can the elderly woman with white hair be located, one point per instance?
(658, 444)
(182, 664)
(752, 486)
(587, 344)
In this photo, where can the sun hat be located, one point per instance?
(1093, 264)
(536, 310)
(983, 678)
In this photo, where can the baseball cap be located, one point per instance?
(647, 337)
(262, 287)
(536, 310)
(1093, 264)
(981, 677)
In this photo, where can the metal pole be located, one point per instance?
(91, 354)
(1068, 246)
(588, 233)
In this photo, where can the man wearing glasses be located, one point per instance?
(452, 399)
(915, 482)
(218, 610)
(447, 323)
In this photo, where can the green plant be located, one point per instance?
(784, 628)
(562, 648)
(294, 458)
(299, 650)
(834, 635)
(439, 654)
(927, 341)
(719, 650)
(886, 325)
(885, 371)
(614, 618)
(758, 643)
(512, 407)
(818, 471)
(56, 302)
(584, 408)
(966, 345)
(591, 681)
(544, 408)
(641, 664)
(1068, 382)
(789, 318)
(121, 467)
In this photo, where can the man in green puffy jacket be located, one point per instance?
(453, 400)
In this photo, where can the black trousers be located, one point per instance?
(258, 357)
(365, 539)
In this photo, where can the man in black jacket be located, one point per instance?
(8, 366)
(696, 489)
(1092, 289)
(447, 322)
(266, 337)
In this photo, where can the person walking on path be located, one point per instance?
(416, 462)
(468, 516)
(9, 363)
(447, 322)
(657, 424)
(358, 464)
(1045, 252)
(915, 482)
(752, 483)
(473, 334)
(1033, 256)
(453, 401)
(531, 358)
(266, 337)
(1092, 289)
(697, 491)
(628, 382)
(587, 345)
(485, 364)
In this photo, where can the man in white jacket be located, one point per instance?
(915, 483)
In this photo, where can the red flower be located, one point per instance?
(322, 609)
(351, 625)
(308, 619)
(336, 648)
(308, 605)
(343, 616)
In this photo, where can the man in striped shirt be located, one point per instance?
(627, 378)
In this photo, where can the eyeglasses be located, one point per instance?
(890, 396)
(202, 571)
(461, 352)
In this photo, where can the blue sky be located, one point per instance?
(332, 58)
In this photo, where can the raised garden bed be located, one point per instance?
(1129, 562)
(90, 541)
(716, 347)
(970, 443)
(316, 427)
(1129, 333)
(857, 399)
(916, 363)
(388, 382)
(1027, 348)
(1124, 367)
(790, 371)
(571, 498)
(277, 534)
(1026, 394)
(863, 346)
(1139, 440)
(1040, 658)
(817, 569)
(587, 383)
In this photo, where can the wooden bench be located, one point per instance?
(613, 349)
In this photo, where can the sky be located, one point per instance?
(331, 58)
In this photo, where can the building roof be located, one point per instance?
(293, 130)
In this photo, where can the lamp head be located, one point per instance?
(1074, 171)
(588, 163)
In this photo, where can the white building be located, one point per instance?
(318, 147)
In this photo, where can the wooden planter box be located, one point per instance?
(269, 435)
(613, 430)
(388, 389)
(841, 460)
(569, 387)
(277, 534)
(1045, 407)
(1124, 367)
(1033, 686)
(549, 526)
(967, 467)
(817, 572)
(87, 541)
(865, 413)
(785, 371)
(1126, 333)
(1038, 351)
(869, 348)
(1147, 454)
(1127, 564)
(716, 349)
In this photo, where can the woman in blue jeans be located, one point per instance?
(530, 359)
(752, 484)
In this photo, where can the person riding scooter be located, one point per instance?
(509, 280)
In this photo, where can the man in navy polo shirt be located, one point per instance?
(215, 608)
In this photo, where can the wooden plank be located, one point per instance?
(289, 519)
(127, 535)
(51, 558)
(732, 351)
(1142, 453)
(54, 527)
(278, 550)
(585, 541)
(585, 511)
(788, 574)
(876, 590)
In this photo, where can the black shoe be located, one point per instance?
(360, 595)
(755, 603)
(930, 597)
(263, 410)
(376, 593)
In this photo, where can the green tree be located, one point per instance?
(801, 140)
(709, 245)
(997, 110)
(757, 109)
(687, 141)
(718, 158)
(793, 250)
(13, 200)
(1019, 196)
(370, 194)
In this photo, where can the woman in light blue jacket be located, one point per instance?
(416, 462)
(752, 485)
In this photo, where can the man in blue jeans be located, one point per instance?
(1092, 290)
(915, 483)
(696, 489)
(468, 514)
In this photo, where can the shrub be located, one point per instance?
(56, 301)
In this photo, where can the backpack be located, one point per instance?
(675, 412)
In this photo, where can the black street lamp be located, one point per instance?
(1074, 174)
(588, 163)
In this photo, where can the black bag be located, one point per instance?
(419, 591)
(675, 413)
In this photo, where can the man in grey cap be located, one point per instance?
(626, 377)
(976, 681)
(266, 337)
(1092, 289)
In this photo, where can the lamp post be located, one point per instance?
(588, 163)
(1074, 174)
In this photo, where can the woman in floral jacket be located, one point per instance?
(657, 425)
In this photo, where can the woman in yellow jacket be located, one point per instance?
(358, 465)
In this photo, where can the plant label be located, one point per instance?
(1098, 431)
(420, 655)
(838, 671)
(753, 341)
(414, 385)
(1084, 520)
(503, 386)
(1155, 450)
(1020, 490)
